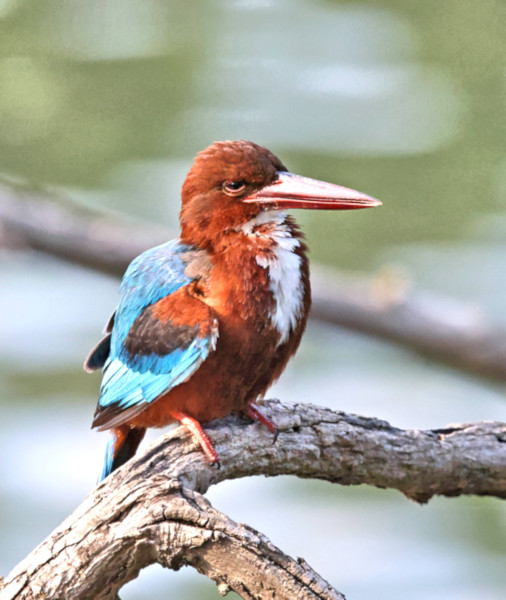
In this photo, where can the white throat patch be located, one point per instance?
(284, 266)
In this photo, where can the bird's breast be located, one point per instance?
(261, 279)
(283, 268)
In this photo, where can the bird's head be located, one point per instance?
(231, 182)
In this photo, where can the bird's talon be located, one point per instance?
(255, 415)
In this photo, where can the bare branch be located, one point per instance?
(151, 509)
(41, 221)
(436, 327)
(121, 529)
(433, 326)
(319, 443)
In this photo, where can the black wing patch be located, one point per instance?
(110, 323)
(100, 353)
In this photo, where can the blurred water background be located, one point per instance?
(110, 100)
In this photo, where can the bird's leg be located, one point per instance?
(195, 428)
(253, 413)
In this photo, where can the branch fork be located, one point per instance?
(152, 509)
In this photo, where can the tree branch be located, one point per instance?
(151, 509)
(42, 221)
(433, 326)
(437, 327)
(118, 531)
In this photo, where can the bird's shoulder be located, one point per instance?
(156, 274)
(163, 269)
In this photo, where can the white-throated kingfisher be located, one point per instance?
(206, 323)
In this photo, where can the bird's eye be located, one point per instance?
(233, 188)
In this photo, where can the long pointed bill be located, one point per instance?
(295, 191)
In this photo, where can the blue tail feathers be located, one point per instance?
(122, 444)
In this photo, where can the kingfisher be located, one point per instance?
(206, 323)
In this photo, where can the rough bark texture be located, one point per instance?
(116, 533)
(431, 325)
(151, 510)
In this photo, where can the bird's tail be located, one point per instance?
(121, 446)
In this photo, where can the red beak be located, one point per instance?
(295, 191)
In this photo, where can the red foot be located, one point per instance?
(253, 413)
(195, 428)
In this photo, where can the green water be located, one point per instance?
(111, 99)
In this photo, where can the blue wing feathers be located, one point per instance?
(124, 385)
(134, 380)
(150, 277)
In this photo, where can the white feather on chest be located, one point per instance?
(284, 269)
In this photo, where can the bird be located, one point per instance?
(207, 322)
